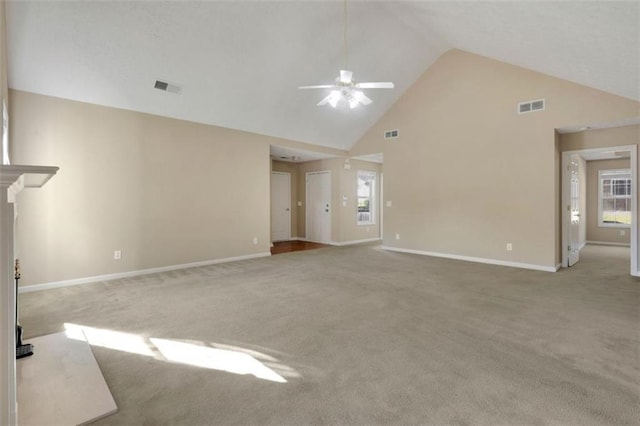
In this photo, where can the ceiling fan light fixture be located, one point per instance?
(334, 98)
(346, 76)
(345, 89)
(353, 102)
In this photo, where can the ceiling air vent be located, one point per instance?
(167, 87)
(530, 106)
(391, 134)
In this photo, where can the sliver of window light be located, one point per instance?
(5, 133)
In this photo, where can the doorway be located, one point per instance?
(572, 199)
(280, 206)
(318, 202)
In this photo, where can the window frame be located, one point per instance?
(612, 174)
(372, 198)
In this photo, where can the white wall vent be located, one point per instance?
(391, 134)
(531, 106)
(167, 87)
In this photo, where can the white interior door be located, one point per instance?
(318, 212)
(280, 206)
(574, 211)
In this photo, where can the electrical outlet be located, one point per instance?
(509, 246)
(255, 241)
(299, 203)
(117, 254)
(622, 233)
(388, 203)
(397, 236)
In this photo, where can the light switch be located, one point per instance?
(299, 203)
(388, 203)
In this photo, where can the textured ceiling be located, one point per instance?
(240, 62)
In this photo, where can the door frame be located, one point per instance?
(566, 188)
(290, 206)
(306, 205)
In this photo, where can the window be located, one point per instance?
(366, 197)
(614, 203)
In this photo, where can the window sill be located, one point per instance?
(614, 225)
(366, 223)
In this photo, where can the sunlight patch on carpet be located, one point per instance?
(216, 359)
(117, 340)
(221, 357)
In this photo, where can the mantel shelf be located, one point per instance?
(34, 176)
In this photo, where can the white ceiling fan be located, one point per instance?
(345, 89)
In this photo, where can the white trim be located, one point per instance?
(635, 270)
(475, 259)
(351, 242)
(558, 266)
(606, 243)
(118, 275)
(634, 200)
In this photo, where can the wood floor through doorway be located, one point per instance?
(289, 246)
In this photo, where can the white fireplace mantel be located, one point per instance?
(13, 178)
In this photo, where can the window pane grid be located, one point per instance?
(615, 199)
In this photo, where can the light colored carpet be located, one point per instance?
(363, 336)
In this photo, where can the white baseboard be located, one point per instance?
(351, 242)
(475, 259)
(558, 266)
(606, 243)
(118, 275)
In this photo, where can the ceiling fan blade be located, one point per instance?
(320, 86)
(324, 101)
(345, 76)
(378, 85)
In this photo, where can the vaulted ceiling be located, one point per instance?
(239, 63)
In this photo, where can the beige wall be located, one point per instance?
(164, 191)
(4, 91)
(601, 138)
(344, 227)
(291, 168)
(468, 174)
(594, 232)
